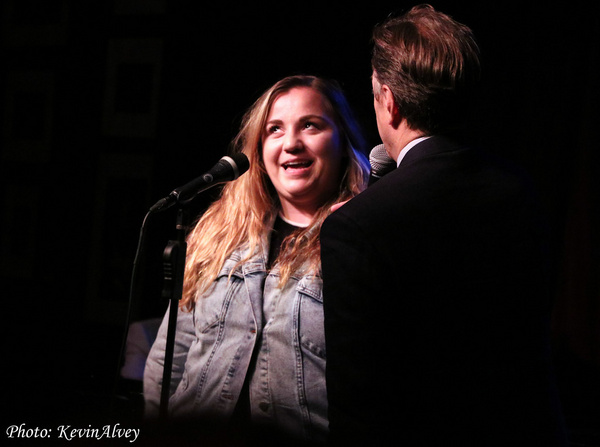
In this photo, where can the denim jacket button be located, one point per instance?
(264, 406)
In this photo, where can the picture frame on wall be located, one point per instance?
(122, 191)
(133, 76)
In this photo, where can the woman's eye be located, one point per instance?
(272, 129)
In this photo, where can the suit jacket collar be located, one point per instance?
(432, 146)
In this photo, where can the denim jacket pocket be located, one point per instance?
(211, 306)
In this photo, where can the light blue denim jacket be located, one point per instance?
(214, 345)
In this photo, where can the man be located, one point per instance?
(434, 278)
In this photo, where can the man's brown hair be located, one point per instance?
(429, 61)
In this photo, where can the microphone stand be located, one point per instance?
(174, 266)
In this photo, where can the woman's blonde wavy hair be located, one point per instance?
(247, 207)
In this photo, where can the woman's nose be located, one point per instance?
(292, 142)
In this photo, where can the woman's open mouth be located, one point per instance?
(299, 164)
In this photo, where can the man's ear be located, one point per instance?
(393, 112)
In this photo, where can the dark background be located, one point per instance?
(109, 105)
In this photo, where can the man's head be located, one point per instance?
(429, 62)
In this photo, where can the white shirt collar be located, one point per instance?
(292, 223)
(408, 147)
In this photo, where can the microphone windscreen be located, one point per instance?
(381, 162)
(242, 162)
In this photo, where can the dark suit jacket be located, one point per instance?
(436, 307)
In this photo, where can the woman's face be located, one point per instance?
(302, 151)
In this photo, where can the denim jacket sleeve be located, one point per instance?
(154, 365)
(213, 345)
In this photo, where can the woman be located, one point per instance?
(250, 342)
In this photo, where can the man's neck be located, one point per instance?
(403, 136)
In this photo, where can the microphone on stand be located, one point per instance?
(381, 163)
(227, 168)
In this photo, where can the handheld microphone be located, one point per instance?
(227, 168)
(381, 163)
